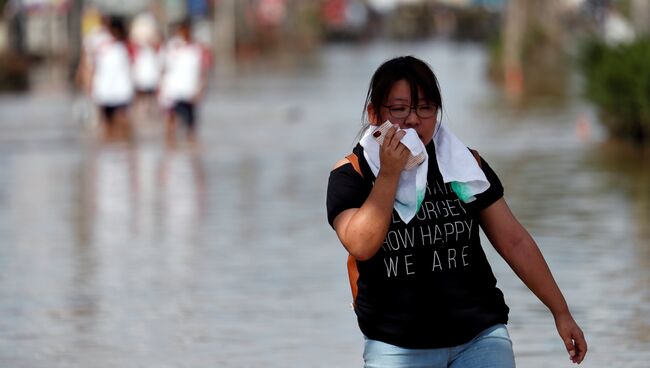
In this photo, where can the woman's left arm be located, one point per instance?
(520, 251)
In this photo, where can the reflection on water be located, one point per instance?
(140, 255)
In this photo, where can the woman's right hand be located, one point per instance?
(572, 335)
(392, 153)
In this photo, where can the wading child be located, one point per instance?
(111, 84)
(184, 79)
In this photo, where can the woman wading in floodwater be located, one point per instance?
(407, 206)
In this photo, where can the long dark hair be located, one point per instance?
(416, 72)
(117, 27)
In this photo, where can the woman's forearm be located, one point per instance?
(366, 229)
(528, 263)
(362, 231)
(518, 248)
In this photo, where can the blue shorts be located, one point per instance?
(492, 348)
(185, 111)
(109, 111)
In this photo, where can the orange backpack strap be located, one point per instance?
(353, 272)
(354, 160)
(353, 277)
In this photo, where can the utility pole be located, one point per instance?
(225, 35)
(529, 21)
(641, 16)
(513, 32)
(74, 30)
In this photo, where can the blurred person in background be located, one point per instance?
(94, 28)
(185, 67)
(616, 28)
(423, 290)
(147, 64)
(95, 32)
(111, 83)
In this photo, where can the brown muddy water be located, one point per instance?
(145, 255)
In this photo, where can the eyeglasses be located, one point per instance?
(403, 111)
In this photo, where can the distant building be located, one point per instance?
(491, 4)
(123, 7)
(45, 26)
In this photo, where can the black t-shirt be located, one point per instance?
(430, 284)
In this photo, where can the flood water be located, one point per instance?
(145, 255)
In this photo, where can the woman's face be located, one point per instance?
(399, 99)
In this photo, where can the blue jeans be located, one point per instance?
(491, 348)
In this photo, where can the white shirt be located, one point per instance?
(112, 83)
(182, 71)
(146, 68)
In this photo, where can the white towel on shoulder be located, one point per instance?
(456, 163)
(458, 166)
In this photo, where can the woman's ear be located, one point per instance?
(373, 116)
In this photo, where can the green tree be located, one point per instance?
(617, 80)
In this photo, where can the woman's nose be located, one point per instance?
(412, 119)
